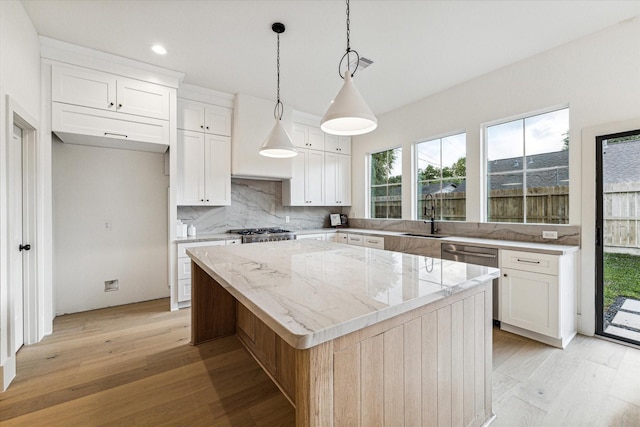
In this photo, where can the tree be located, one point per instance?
(565, 141)
(381, 166)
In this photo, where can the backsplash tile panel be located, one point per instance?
(255, 203)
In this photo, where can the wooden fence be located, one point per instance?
(621, 217)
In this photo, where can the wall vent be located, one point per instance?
(362, 64)
(111, 285)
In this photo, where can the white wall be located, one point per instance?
(598, 76)
(20, 79)
(92, 185)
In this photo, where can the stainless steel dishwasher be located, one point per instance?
(487, 257)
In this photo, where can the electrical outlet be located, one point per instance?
(286, 219)
(549, 234)
(111, 285)
(107, 224)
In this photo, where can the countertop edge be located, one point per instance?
(305, 341)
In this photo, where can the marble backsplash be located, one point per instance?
(567, 234)
(255, 203)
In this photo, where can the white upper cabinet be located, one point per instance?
(204, 169)
(337, 179)
(309, 137)
(306, 186)
(200, 117)
(338, 144)
(104, 91)
(321, 173)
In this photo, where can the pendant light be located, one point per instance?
(348, 113)
(278, 144)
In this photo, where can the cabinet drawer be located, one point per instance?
(374, 242)
(342, 238)
(311, 236)
(184, 290)
(184, 268)
(88, 126)
(527, 261)
(183, 246)
(355, 239)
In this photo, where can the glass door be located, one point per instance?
(618, 236)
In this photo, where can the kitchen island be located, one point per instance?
(354, 335)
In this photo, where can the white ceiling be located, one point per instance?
(418, 47)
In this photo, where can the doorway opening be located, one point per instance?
(618, 236)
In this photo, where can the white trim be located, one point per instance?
(56, 50)
(208, 96)
(34, 287)
(527, 115)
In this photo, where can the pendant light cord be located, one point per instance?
(279, 109)
(349, 50)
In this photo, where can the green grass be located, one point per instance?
(621, 277)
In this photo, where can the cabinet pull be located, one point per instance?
(119, 105)
(476, 254)
(201, 127)
(115, 134)
(111, 104)
(207, 127)
(528, 261)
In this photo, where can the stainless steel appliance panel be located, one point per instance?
(487, 257)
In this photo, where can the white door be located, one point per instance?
(16, 270)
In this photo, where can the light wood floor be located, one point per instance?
(133, 365)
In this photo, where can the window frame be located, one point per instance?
(414, 190)
(368, 163)
(484, 217)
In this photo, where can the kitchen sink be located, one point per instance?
(433, 236)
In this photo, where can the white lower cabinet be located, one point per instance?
(364, 240)
(184, 265)
(316, 236)
(538, 296)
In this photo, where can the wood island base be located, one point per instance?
(429, 366)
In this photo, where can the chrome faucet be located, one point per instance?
(434, 227)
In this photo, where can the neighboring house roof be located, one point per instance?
(621, 162)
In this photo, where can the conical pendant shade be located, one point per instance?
(278, 144)
(348, 114)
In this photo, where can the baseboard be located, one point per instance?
(7, 372)
(554, 342)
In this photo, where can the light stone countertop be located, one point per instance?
(545, 248)
(207, 238)
(310, 292)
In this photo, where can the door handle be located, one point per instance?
(24, 247)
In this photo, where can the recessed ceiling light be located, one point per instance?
(159, 49)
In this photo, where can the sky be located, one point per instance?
(543, 134)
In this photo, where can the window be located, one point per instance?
(528, 169)
(441, 166)
(386, 184)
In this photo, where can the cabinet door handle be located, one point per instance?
(505, 274)
(111, 104)
(116, 134)
(24, 247)
(207, 127)
(119, 105)
(528, 261)
(201, 126)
